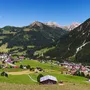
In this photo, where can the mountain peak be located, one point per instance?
(76, 42)
(52, 24)
(69, 27)
(72, 26)
(75, 23)
(36, 24)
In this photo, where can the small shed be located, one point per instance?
(48, 79)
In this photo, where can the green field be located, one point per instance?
(66, 86)
(54, 70)
(11, 69)
(23, 81)
(35, 63)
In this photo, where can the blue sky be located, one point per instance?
(23, 12)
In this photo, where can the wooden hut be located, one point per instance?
(48, 80)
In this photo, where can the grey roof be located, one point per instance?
(48, 77)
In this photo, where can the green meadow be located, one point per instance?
(23, 82)
(24, 79)
(66, 86)
(49, 69)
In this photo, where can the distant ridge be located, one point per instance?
(69, 27)
(75, 44)
(28, 39)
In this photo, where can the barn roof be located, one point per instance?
(48, 77)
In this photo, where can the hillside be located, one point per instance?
(29, 38)
(74, 45)
(26, 79)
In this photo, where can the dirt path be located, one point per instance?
(20, 73)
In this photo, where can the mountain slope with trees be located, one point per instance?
(74, 45)
(29, 38)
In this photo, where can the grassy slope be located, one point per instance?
(35, 63)
(67, 86)
(55, 71)
(11, 69)
(23, 82)
(24, 79)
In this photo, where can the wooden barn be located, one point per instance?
(48, 80)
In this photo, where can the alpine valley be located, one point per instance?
(48, 40)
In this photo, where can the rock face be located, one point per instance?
(71, 27)
(68, 28)
(53, 24)
(76, 43)
(36, 24)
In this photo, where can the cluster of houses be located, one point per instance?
(3, 56)
(72, 68)
(7, 59)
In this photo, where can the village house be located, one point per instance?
(48, 79)
(72, 68)
(3, 56)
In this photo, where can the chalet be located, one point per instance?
(48, 79)
(65, 64)
(21, 57)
